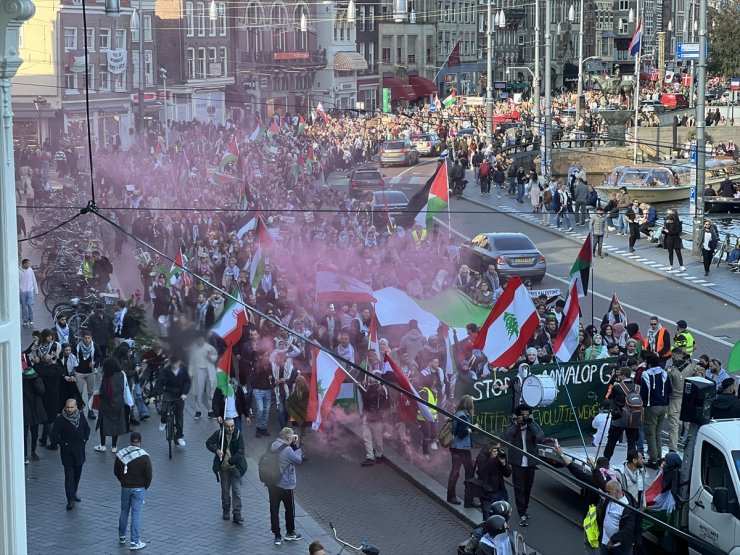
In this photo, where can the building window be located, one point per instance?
(213, 59)
(148, 68)
(224, 61)
(201, 24)
(119, 40)
(624, 5)
(372, 18)
(104, 78)
(119, 82)
(371, 57)
(90, 81)
(70, 82)
(104, 35)
(189, 19)
(70, 38)
(222, 19)
(201, 69)
(191, 63)
(91, 39)
(147, 28)
(363, 15)
(212, 26)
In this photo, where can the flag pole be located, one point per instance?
(573, 408)
(446, 60)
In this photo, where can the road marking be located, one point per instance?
(607, 298)
(708, 284)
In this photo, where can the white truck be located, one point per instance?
(709, 503)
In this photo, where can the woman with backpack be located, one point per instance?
(461, 451)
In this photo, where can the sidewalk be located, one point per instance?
(183, 506)
(720, 283)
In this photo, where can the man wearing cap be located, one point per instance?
(683, 338)
(677, 373)
(726, 404)
(133, 468)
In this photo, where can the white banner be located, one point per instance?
(117, 61)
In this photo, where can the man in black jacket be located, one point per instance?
(229, 465)
(133, 468)
(492, 467)
(726, 404)
(617, 520)
(173, 383)
(71, 432)
(525, 434)
(101, 327)
(620, 387)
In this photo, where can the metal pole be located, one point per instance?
(701, 141)
(489, 76)
(547, 125)
(141, 67)
(637, 87)
(536, 84)
(580, 64)
(166, 115)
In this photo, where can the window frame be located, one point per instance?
(189, 19)
(105, 32)
(200, 14)
(91, 41)
(118, 35)
(104, 76)
(191, 61)
(76, 82)
(222, 19)
(71, 36)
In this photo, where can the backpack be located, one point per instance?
(592, 199)
(632, 413)
(269, 466)
(445, 435)
(547, 199)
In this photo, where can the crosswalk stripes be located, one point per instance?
(708, 284)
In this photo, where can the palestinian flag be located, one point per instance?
(450, 100)
(302, 126)
(285, 127)
(224, 373)
(243, 200)
(264, 243)
(432, 199)
(231, 154)
(251, 224)
(257, 134)
(582, 266)
(232, 320)
(273, 130)
(733, 363)
(178, 273)
(566, 342)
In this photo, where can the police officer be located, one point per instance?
(683, 338)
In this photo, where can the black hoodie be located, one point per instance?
(726, 405)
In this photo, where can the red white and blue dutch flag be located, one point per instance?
(636, 40)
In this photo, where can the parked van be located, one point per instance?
(673, 101)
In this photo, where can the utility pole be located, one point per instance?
(140, 107)
(163, 74)
(489, 74)
(701, 140)
(536, 84)
(547, 124)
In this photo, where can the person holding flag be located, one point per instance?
(376, 406)
(229, 465)
(229, 399)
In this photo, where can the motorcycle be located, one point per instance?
(458, 186)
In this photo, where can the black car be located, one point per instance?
(514, 254)
(362, 181)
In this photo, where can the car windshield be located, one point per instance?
(421, 138)
(513, 243)
(372, 174)
(390, 197)
(395, 145)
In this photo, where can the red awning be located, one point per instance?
(399, 89)
(422, 85)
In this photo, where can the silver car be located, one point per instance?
(428, 144)
(399, 152)
(514, 254)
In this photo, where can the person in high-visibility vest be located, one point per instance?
(419, 235)
(683, 338)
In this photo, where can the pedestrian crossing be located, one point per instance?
(637, 258)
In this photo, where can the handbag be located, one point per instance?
(95, 405)
(445, 436)
(127, 397)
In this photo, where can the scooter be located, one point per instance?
(364, 547)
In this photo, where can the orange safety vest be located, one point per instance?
(659, 343)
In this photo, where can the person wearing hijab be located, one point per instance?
(597, 349)
(112, 412)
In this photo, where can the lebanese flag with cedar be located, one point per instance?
(326, 381)
(566, 342)
(511, 323)
(407, 408)
(338, 287)
(232, 320)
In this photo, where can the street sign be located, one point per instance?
(735, 83)
(432, 108)
(687, 51)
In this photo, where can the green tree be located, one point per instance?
(724, 46)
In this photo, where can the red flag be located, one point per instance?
(582, 266)
(454, 59)
(326, 381)
(407, 409)
(224, 363)
(566, 342)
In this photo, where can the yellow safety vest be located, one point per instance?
(432, 399)
(418, 240)
(685, 341)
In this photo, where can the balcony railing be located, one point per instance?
(299, 58)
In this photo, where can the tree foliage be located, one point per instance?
(724, 46)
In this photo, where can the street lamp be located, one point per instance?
(113, 7)
(137, 23)
(351, 15)
(399, 11)
(499, 20)
(40, 103)
(212, 11)
(572, 18)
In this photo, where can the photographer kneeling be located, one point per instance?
(525, 434)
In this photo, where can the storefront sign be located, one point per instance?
(386, 100)
(290, 56)
(585, 381)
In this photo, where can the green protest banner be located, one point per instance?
(586, 382)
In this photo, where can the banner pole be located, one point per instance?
(575, 414)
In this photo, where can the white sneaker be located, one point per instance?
(682, 268)
(670, 268)
(161, 427)
(181, 442)
(136, 546)
(114, 449)
(434, 446)
(100, 448)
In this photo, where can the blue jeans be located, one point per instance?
(282, 408)
(139, 401)
(262, 400)
(560, 217)
(132, 500)
(27, 302)
(624, 225)
(520, 192)
(512, 185)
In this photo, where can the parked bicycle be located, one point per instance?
(364, 547)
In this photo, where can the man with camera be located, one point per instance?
(492, 466)
(282, 491)
(525, 434)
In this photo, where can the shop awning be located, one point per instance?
(422, 85)
(349, 61)
(399, 89)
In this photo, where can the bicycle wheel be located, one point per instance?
(64, 308)
(77, 322)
